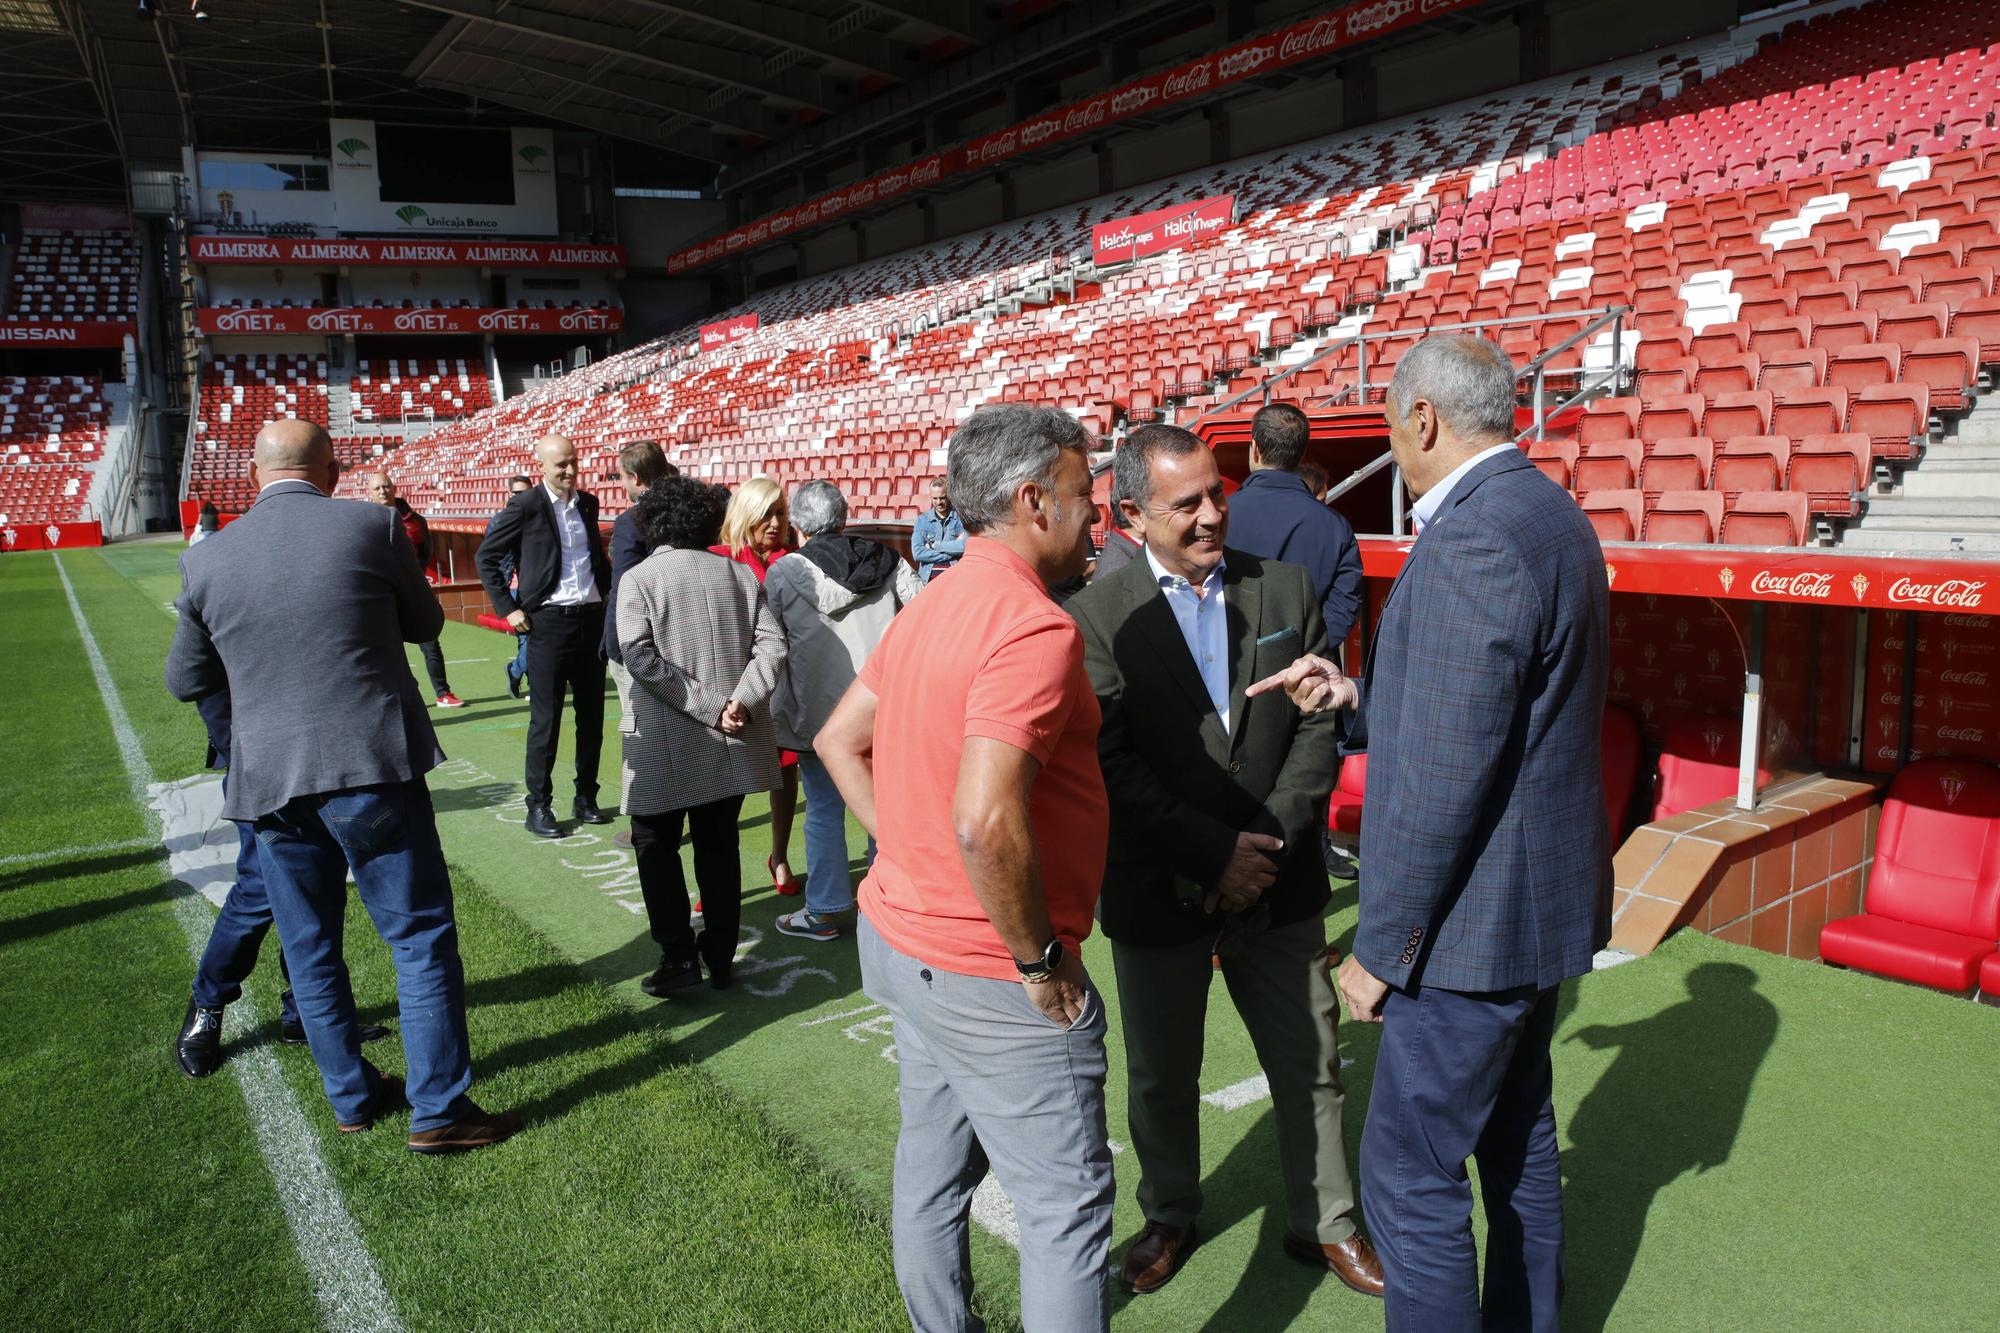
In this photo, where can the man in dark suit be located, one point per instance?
(329, 744)
(1280, 517)
(237, 936)
(1486, 860)
(1217, 807)
(640, 464)
(550, 533)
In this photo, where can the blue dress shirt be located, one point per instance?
(1204, 622)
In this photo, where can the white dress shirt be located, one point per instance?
(578, 586)
(1424, 510)
(1204, 622)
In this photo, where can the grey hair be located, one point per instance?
(818, 508)
(1132, 465)
(998, 450)
(1468, 379)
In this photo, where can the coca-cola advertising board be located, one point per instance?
(726, 331)
(1308, 39)
(225, 321)
(78, 333)
(1163, 229)
(403, 254)
(1954, 704)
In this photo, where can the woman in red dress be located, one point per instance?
(756, 531)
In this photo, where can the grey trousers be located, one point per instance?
(1279, 983)
(985, 1079)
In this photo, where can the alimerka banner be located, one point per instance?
(1308, 39)
(1163, 229)
(419, 254)
(370, 319)
(81, 333)
(724, 332)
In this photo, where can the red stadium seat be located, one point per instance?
(1896, 417)
(1855, 368)
(1673, 414)
(1730, 414)
(1680, 464)
(1751, 463)
(1698, 761)
(1344, 811)
(1949, 367)
(1980, 319)
(1931, 914)
(1607, 465)
(1810, 412)
(1618, 516)
(1766, 518)
(1830, 470)
(1687, 518)
(1787, 372)
(1608, 419)
(1833, 332)
(1912, 323)
(1556, 459)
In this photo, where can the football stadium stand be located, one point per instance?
(64, 276)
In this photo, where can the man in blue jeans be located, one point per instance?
(238, 934)
(329, 744)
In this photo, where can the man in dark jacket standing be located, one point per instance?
(381, 489)
(640, 464)
(1217, 802)
(1276, 515)
(550, 534)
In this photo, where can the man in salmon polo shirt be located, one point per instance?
(968, 748)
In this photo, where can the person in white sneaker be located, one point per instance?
(835, 597)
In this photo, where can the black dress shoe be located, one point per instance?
(586, 811)
(294, 1034)
(670, 977)
(199, 1046)
(513, 684)
(542, 822)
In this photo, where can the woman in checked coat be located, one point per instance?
(705, 653)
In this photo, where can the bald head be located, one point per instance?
(379, 487)
(294, 450)
(558, 459)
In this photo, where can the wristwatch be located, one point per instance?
(1041, 969)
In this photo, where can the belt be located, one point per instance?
(580, 609)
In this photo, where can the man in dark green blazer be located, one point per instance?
(1218, 803)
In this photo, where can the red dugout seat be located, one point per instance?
(1932, 910)
(1698, 759)
(1344, 813)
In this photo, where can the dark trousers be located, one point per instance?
(656, 841)
(1465, 1075)
(434, 664)
(238, 934)
(387, 835)
(563, 655)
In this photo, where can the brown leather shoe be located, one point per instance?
(389, 1096)
(1156, 1254)
(474, 1129)
(1353, 1261)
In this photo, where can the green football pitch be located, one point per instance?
(1749, 1142)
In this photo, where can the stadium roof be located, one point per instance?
(92, 88)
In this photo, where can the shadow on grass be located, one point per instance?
(81, 867)
(1671, 1103)
(36, 924)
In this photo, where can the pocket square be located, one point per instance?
(1288, 632)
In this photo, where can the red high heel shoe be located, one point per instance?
(790, 886)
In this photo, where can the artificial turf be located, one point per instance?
(1749, 1142)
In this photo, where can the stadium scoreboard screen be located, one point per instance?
(455, 165)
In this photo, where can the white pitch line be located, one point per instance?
(76, 853)
(337, 1262)
(1238, 1095)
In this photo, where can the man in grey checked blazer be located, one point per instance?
(1485, 857)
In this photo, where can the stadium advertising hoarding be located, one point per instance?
(76, 333)
(1308, 39)
(362, 203)
(368, 319)
(49, 536)
(1163, 229)
(426, 253)
(726, 331)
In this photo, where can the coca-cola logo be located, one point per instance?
(1807, 583)
(927, 172)
(1963, 735)
(1079, 118)
(1302, 42)
(1190, 80)
(1962, 677)
(1889, 752)
(1373, 18)
(244, 321)
(1133, 99)
(1891, 699)
(1945, 592)
(1969, 622)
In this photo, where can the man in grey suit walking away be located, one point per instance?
(1485, 857)
(302, 614)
